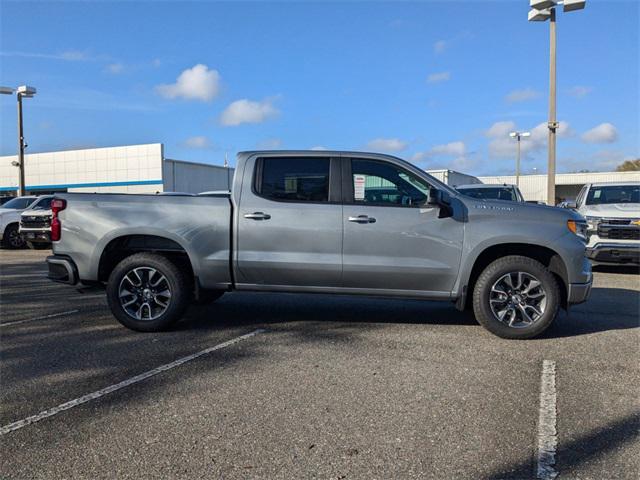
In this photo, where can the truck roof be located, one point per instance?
(612, 184)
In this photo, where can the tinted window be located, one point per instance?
(381, 183)
(295, 179)
(614, 194)
(18, 203)
(498, 193)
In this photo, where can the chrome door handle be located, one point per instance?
(257, 216)
(362, 219)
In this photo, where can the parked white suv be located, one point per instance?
(612, 211)
(10, 219)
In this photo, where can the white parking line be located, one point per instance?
(112, 388)
(53, 315)
(547, 433)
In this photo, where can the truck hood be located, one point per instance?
(36, 213)
(612, 210)
(522, 210)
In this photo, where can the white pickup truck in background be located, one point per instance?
(612, 211)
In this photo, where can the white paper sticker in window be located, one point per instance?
(358, 186)
(597, 193)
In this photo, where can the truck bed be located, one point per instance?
(200, 225)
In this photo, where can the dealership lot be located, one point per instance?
(323, 387)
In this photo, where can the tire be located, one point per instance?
(506, 288)
(132, 284)
(12, 238)
(206, 296)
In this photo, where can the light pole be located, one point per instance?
(518, 136)
(23, 91)
(26, 92)
(542, 10)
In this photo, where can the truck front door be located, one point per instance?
(392, 240)
(289, 222)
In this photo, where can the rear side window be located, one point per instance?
(296, 179)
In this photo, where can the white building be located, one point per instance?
(128, 169)
(453, 178)
(534, 187)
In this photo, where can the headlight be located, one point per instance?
(579, 228)
(592, 222)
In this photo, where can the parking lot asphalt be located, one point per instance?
(326, 387)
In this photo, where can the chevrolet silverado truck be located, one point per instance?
(308, 222)
(35, 224)
(612, 211)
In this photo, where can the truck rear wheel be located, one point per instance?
(147, 292)
(516, 297)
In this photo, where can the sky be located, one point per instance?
(438, 83)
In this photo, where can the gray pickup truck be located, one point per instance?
(324, 222)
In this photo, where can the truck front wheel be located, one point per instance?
(147, 292)
(516, 297)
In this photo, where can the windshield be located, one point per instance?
(43, 204)
(613, 194)
(497, 193)
(19, 203)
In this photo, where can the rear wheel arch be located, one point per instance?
(545, 255)
(124, 246)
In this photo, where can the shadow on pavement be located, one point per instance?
(621, 269)
(572, 454)
(617, 309)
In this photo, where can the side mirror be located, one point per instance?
(572, 205)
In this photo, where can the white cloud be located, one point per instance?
(68, 55)
(579, 91)
(318, 147)
(197, 83)
(503, 146)
(453, 149)
(248, 111)
(522, 95)
(603, 133)
(114, 68)
(270, 144)
(200, 142)
(438, 77)
(458, 150)
(440, 46)
(387, 145)
(500, 129)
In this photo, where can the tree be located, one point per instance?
(629, 166)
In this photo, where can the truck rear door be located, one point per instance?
(289, 222)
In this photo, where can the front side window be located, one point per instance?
(614, 194)
(295, 179)
(381, 183)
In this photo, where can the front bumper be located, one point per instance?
(615, 253)
(62, 269)
(36, 234)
